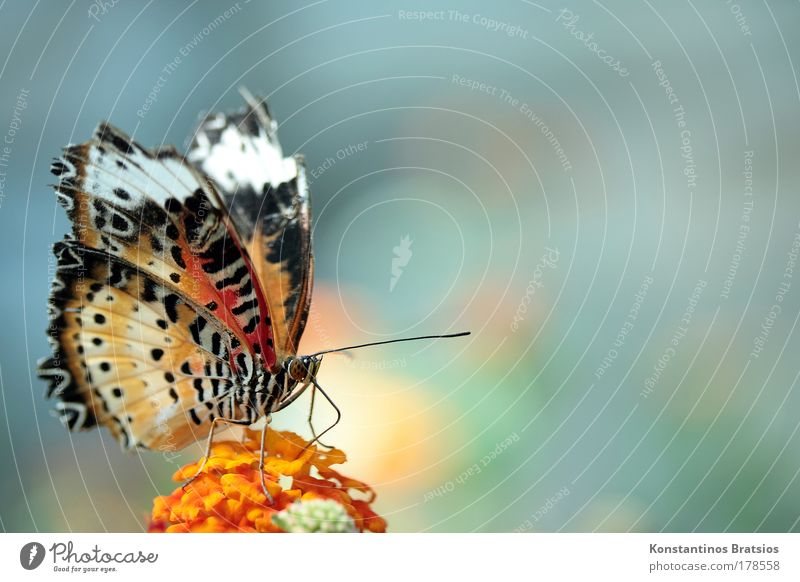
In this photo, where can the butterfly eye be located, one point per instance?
(297, 370)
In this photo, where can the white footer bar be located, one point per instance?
(220, 557)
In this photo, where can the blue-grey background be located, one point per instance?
(551, 210)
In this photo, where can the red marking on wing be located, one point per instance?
(261, 336)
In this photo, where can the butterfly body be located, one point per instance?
(182, 292)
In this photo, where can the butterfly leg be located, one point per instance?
(311, 419)
(261, 460)
(208, 446)
(336, 408)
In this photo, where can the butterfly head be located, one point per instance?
(302, 369)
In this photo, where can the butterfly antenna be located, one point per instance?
(405, 339)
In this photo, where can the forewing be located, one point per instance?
(267, 195)
(155, 211)
(156, 309)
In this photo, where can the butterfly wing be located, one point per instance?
(267, 195)
(157, 316)
(130, 354)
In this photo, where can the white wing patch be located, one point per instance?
(238, 158)
(242, 150)
(120, 171)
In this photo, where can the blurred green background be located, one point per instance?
(604, 193)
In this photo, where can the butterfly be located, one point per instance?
(182, 292)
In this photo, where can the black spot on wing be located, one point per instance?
(195, 419)
(171, 307)
(58, 168)
(173, 206)
(177, 256)
(234, 278)
(196, 327)
(245, 306)
(150, 292)
(172, 232)
(108, 134)
(220, 254)
(119, 223)
(251, 325)
(156, 244)
(197, 383)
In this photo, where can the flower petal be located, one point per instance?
(227, 495)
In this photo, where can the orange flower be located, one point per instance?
(227, 495)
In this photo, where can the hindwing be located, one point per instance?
(267, 195)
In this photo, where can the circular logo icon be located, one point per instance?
(31, 555)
